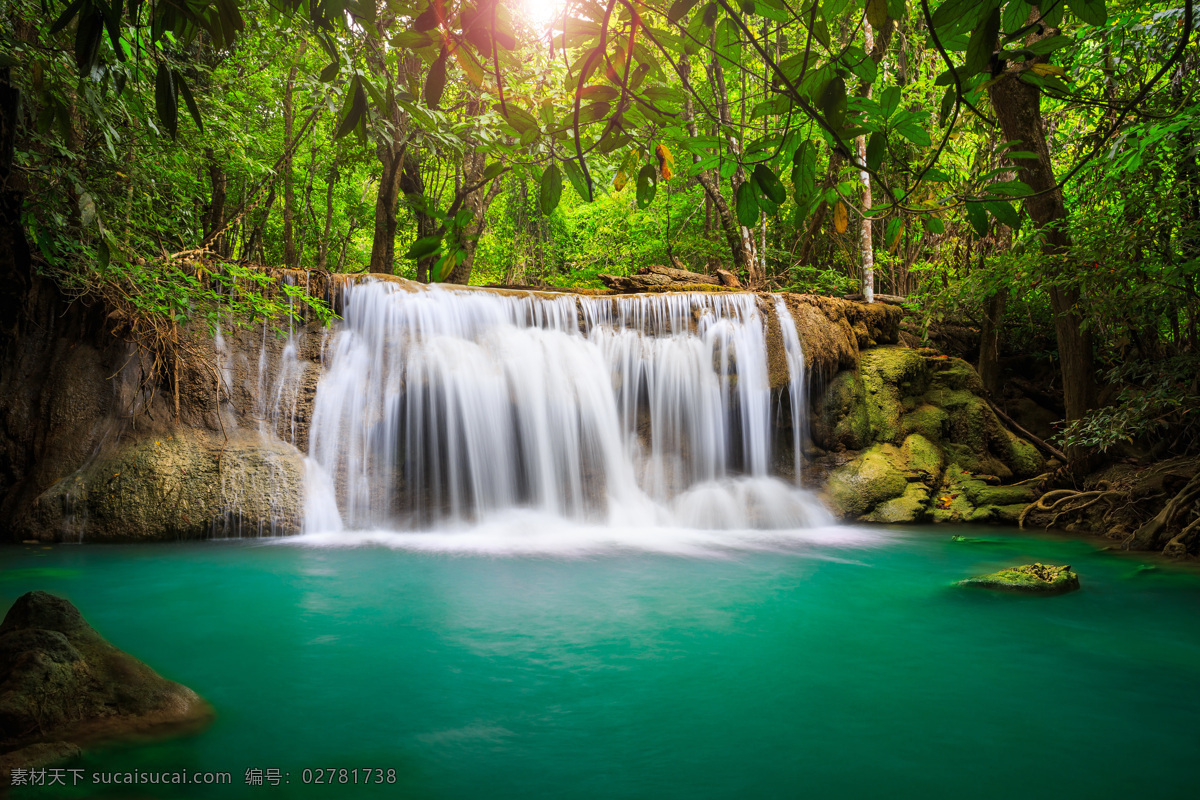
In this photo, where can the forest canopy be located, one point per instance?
(1029, 171)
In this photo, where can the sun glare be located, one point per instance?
(542, 12)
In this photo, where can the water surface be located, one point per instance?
(822, 663)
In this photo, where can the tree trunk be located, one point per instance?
(477, 200)
(290, 257)
(1018, 109)
(214, 220)
(747, 251)
(989, 343)
(412, 183)
(743, 258)
(323, 244)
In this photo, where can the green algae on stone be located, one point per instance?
(923, 457)
(890, 375)
(912, 506)
(928, 420)
(964, 497)
(1034, 578)
(841, 418)
(873, 478)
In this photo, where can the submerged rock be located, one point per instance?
(62, 684)
(1031, 578)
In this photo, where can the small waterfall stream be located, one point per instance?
(443, 407)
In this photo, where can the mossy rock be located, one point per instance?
(874, 477)
(1023, 458)
(923, 457)
(928, 420)
(61, 682)
(964, 497)
(890, 375)
(956, 375)
(1029, 579)
(840, 420)
(912, 506)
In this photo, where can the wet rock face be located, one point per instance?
(191, 484)
(930, 446)
(61, 682)
(1028, 579)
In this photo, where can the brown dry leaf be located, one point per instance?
(840, 218)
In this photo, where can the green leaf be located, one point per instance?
(428, 19)
(575, 176)
(1021, 154)
(647, 185)
(978, 219)
(1004, 213)
(769, 184)
(103, 255)
(876, 149)
(67, 15)
(983, 43)
(889, 101)
(353, 109)
(955, 16)
(599, 93)
(166, 102)
(679, 10)
(330, 72)
(1093, 12)
(190, 101)
(435, 84)
(425, 246)
(1048, 45)
(947, 107)
(833, 102)
(551, 190)
(1011, 188)
(933, 225)
(747, 205)
(493, 169)
(915, 134)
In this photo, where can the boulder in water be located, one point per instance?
(1029, 578)
(62, 684)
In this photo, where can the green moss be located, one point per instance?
(956, 374)
(854, 489)
(841, 418)
(965, 498)
(1022, 457)
(928, 420)
(923, 456)
(908, 507)
(1028, 578)
(891, 374)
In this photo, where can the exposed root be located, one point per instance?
(1148, 534)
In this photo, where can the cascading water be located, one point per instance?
(441, 407)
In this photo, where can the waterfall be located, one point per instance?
(797, 388)
(442, 406)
